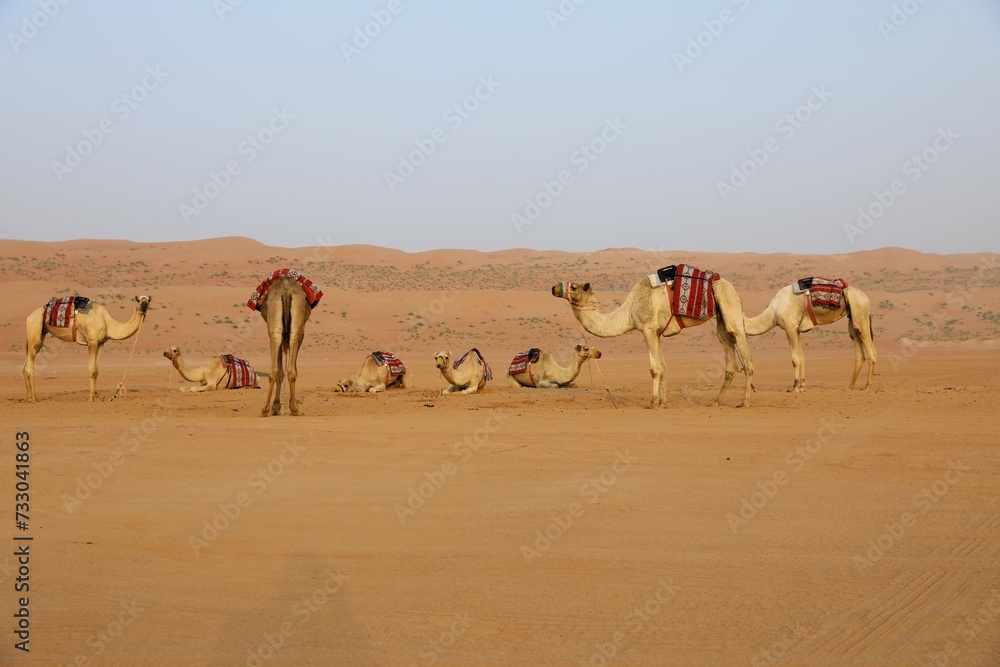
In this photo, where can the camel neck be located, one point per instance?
(605, 325)
(122, 330)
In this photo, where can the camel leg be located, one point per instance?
(36, 337)
(294, 343)
(282, 366)
(406, 380)
(730, 354)
(864, 350)
(657, 369)
(274, 379)
(798, 359)
(513, 383)
(742, 345)
(470, 389)
(93, 358)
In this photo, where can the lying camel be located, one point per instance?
(380, 371)
(545, 373)
(467, 375)
(222, 372)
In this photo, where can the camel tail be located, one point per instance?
(286, 317)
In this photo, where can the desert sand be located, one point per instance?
(515, 526)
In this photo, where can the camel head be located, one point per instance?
(577, 294)
(344, 386)
(585, 352)
(442, 359)
(143, 302)
(172, 353)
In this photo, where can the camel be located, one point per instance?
(92, 327)
(545, 373)
(216, 373)
(647, 310)
(467, 375)
(375, 377)
(285, 310)
(791, 312)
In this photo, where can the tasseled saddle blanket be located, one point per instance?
(240, 370)
(824, 292)
(313, 292)
(396, 366)
(521, 360)
(690, 290)
(486, 366)
(61, 311)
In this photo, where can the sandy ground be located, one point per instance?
(515, 527)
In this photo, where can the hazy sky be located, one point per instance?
(732, 125)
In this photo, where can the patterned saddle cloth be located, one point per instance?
(486, 366)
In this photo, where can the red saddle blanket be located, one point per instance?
(312, 292)
(382, 358)
(60, 310)
(242, 373)
(692, 294)
(824, 292)
(521, 360)
(486, 366)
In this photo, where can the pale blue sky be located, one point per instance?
(667, 134)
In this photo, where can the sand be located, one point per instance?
(516, 526)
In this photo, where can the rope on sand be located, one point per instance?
(121, 385)
(599, 372)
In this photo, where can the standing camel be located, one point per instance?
(283, 303)
(80, 321)
(647, 309)
(795, 313)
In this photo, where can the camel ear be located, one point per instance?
(586, 287)
(579, 348)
